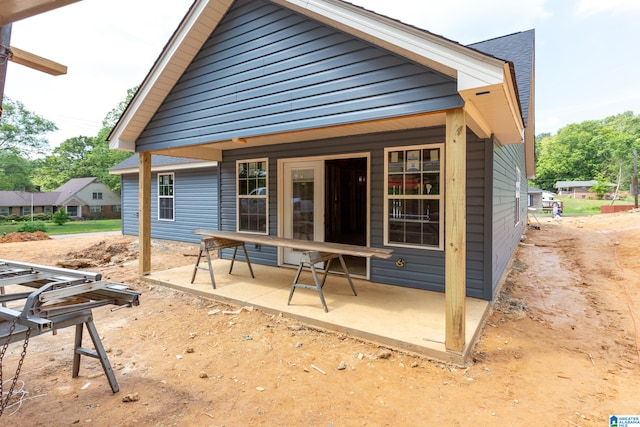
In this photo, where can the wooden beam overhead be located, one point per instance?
(36, 62)
(15, 10)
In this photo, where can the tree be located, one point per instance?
(68, 160)
(23, 130)
(594, 148)
(15, 171)
(85, 156)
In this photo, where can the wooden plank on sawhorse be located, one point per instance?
(311, 258)
(215, 243)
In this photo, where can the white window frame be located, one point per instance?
(95, 208)
(252, 198)
(438, 198)
(167, 197)
(5, 210)
(517, 213)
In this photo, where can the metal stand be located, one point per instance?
(62, 298)
(215, 243)
(99, 353)
(311, 258)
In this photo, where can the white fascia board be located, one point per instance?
(438, 53)
(166, 168)
(203, 11)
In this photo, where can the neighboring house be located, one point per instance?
(536, 197)
(579, 189)
(79, 197)
(331, 122)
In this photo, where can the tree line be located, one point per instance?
(600, 150)
(23, 167)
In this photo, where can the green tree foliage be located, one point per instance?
(68, 160)
(22, 130)
(594, 148)
(60, 217)
(85, 156)
(15, 171)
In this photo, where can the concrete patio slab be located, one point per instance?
(403, 318)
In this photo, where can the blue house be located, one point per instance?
(330, 122)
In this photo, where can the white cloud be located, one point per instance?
(594, 7)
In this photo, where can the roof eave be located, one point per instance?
(183, 46)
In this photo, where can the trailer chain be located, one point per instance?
(5, 402)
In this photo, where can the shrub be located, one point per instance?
(32, 227)
(13, 218)
(43, 216)
(60, 217)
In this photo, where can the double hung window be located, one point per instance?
(252, 195)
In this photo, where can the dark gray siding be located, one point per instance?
(196, 205)
(423, 269)
(506, 231)
(266, 69)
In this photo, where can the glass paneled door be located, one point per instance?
(303, 208)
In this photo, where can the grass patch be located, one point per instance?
(578, 207)
(72, 227)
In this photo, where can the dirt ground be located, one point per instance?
(561, 348)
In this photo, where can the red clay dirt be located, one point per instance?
(560, 348)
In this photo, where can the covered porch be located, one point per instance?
(401, 318)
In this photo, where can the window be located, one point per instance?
(517, 217)
(47, 209)
(414, 196)
(97, 196)
(5, 210)
(165, 197)
(252, 195)
(116, 208)
(95, 208)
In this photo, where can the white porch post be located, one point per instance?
(144, 214)
(455, 229)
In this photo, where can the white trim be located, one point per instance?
(280, 202)
(440, 197)
(166, 168)
(264, 197)
(172, 197)
(448, 57)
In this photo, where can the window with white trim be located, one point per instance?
(166, 197)
(252, 195)
(414, 196)
(5, 210)
(517, 215)
(95, 208)
(97, 196)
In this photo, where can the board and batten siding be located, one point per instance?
(423, 269)
(195, 205)
(507, 159)
(267, 69)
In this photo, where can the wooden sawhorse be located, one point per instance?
(213, 243)
(311, 258)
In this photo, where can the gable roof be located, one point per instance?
(485, 82)
(70, 188)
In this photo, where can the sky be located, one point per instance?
(587, 53)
